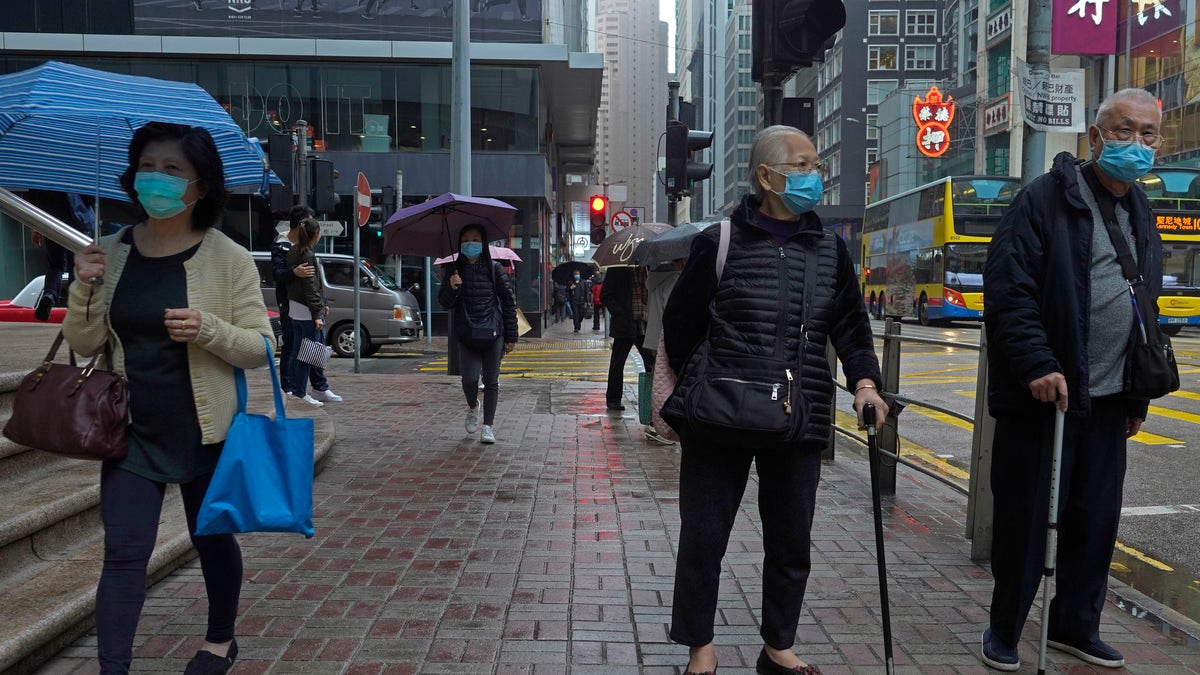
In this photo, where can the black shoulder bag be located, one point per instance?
(744, 400)
(1150, 370)
(479, 335)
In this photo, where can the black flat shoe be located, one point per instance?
(615, 406)
(706, 672)
(765, 666)
(208, 663)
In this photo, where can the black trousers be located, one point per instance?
(711, 483)
(1092, 474)
(616, 364)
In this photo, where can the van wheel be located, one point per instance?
(342, 341)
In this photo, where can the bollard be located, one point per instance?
(889, 435)
(979, 498)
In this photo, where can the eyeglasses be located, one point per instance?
(804, 167)
(1148, 139)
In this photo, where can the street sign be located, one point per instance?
(362, 200)
(621, 220)
(331, 228)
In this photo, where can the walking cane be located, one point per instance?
(1051, 533)
(873, 459)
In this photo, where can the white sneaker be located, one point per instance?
(328, 396)
(488, 435)
(472, 423)
(311, 401)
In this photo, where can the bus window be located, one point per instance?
(964, 266)
(1179, 264)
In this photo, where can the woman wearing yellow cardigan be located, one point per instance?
(179, 306)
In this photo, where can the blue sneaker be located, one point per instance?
(998, 655)
(1095, 652)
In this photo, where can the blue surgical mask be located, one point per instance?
(1125, 161)
(576, 277)
(802, 191)
(161, 194)
(471, 249)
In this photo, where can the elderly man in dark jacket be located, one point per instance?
(1058, 318)
(754, 310)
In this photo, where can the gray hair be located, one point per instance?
(766, 149)
(1132, 94)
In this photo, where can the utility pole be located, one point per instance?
(460, 145)
(1037, 53)
(302, 157)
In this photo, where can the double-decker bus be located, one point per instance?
(1174, 194)
(923, 250)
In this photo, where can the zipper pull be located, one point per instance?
(781, 253)
(787, 404)
(775, 391)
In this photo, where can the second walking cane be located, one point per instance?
(1051, 533)
(873, 458)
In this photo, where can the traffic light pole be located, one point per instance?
(772, 91)
(302, 157)
(673, 118)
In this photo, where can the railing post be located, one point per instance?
(831, 355)
(979, 500)
(889, 434)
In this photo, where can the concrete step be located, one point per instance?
(51, 536)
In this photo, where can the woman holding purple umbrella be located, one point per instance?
(476, 290)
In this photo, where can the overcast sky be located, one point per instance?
(666, 12)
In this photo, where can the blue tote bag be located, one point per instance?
(263, 481)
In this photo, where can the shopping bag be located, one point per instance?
(263, 480)
(314, 353)
(523, 326)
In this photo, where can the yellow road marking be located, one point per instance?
(1134, 553)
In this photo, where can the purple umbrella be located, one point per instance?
(431, 228)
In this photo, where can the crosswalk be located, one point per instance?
(584, 360)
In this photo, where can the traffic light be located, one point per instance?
(599, 213)
(791, 34)
(682, 143)
(324, 199)
(279, 155)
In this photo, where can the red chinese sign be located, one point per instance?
(933, 116)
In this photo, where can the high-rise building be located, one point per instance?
(743, 114)
(700, 67)
(633, 99)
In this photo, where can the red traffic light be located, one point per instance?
(599, 204)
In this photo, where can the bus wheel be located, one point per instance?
(879, 308)
(923, 311)
(1172, 329)
(871, 307)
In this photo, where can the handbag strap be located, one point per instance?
(91, 365)
(810, 283)
(1108, 213)
(239, 377)
(723, 246)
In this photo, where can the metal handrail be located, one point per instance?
(38, 220)
(908, 463)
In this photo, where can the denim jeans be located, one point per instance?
(301, 372)
(288, 345)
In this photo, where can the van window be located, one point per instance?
(338, 272)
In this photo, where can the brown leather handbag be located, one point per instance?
(72, 411)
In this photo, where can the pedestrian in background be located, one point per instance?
(73, 210)
(739, 312)
(477, 288)
(284, 276)
(306, 306)
(624, 296)
(1058, 321)
(597, 302)
(580, 293)
(180, 308)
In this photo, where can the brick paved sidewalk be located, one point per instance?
(552, 551)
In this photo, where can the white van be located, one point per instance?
(390, 315)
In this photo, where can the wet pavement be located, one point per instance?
(552, 551)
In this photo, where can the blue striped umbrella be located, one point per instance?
(67, 128)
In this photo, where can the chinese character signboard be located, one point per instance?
(1155, 28)
(933, 117)
(999, 25)
(995, 116)
(1178, 224)
(1084, 27)
(1051, 101)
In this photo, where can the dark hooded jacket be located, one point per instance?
(485, 289)
(1037, 290)
(758, 303)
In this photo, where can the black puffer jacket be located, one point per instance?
(759, 304)
(1037, 297)
(485, 287)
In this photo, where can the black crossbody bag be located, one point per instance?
(745, 400)
(1150, 369)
